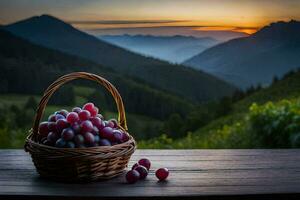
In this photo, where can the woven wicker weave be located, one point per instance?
(79, 164)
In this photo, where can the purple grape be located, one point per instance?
(67, 134)
(76, 109)
(112, 123)
(63, 112)
(62, 124)
(89, 138)
(162, 173)
(52, 137)
(51, 118)
(145, 162)
(96, 138)
(59, 116)
(76, 128)
(104, 142)
(117, 136)
(102, 126)
(79, 140)
(132, 176)
(70, 144)
(142, 170)
(86, 126)
(72, 117)
(43, 129)
(52, 126)
(125, 137)
(60, 143)
(84, 115)
(107, 133)
(97, 122)
(95, 131)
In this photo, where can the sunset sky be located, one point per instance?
(157, 16)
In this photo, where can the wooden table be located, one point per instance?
(194, 174)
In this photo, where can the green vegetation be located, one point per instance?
(267, 118)
(272, 125)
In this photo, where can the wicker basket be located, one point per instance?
(79, 164)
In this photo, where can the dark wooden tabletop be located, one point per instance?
(194, 174)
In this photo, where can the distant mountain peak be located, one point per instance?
(280, 29)
(42, 20)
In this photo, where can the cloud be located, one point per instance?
(119, 22)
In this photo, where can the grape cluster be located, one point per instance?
(141, 169)
(80, 128)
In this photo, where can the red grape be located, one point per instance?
(135, 166)
(67, 134)
(88, 106)
(72, 117)
(84, 115)
(145, 162)
(94, 112)
(43, 129)
(107, 133)
(132, 176)
(76, 109)
(62, 124)
(86, 126)
(104, 142)
(142, 170)
(89, 138)
(162, 173)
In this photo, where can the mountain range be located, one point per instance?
(29, 69)
(174, 49)
(53, 33)
(257, 59)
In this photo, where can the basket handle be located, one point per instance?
(72, 76)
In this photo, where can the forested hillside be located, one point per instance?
(267, 118)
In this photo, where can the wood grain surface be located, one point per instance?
(194, 174)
